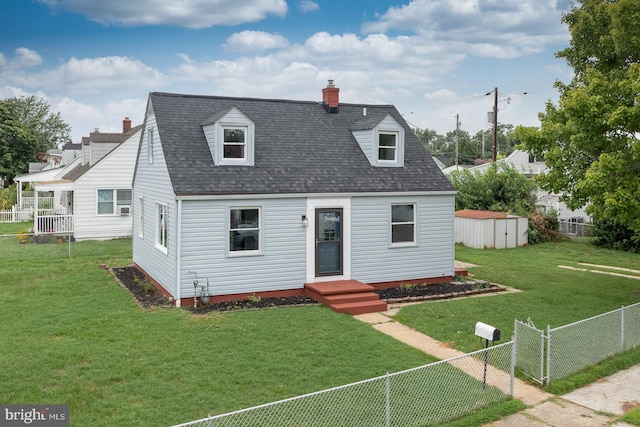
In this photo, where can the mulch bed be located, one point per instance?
(146, 295)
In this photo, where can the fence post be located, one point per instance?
(387, 401)
(512, 370)
(548, 354)
(622, 328)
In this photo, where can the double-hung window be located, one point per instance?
(403, 224)
(162, 212)
(244, 230)
(150, 146)
(110, 199)
(387, 146)
(234, 144)
(141, 218)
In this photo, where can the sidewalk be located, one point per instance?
(589, 406)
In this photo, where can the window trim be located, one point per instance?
(141, 218)
(114, 200)
(249, 143)
(414, 242)
(239, 253)
(244, 144)
(162, 234)
(396, 134)
(150, 146)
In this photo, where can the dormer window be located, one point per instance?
(234, 143)
(387, 146)
(230, 135)
(381, 140)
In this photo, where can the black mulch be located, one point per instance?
(148, 296)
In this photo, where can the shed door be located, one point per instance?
(328, 242)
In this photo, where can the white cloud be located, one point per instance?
(256, 41)
(307, 6)
(85, 118)
(23, 58)
(505, 29)
(183, 13)
(92, 75)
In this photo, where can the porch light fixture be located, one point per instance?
(305, 221)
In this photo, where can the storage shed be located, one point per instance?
(486, 229)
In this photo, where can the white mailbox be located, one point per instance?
(487, 332)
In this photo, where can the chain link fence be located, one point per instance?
(529, 342)
(27, 245)
(575, 228)
(570, 348)
(431, 394)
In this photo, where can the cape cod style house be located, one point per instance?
(237, 196)
(90, 196)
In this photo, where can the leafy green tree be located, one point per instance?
(27, 128)
(17, 144)
(434, 143)
(501, 188)
(590, 139)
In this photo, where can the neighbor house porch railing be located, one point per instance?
(53, 223)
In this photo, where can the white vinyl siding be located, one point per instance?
(373, 260)
(280, 266)
(116, 168)
(152, 182)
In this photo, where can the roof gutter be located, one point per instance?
(311, 195)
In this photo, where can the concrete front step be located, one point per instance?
(362, 307)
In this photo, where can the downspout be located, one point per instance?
(178, 252)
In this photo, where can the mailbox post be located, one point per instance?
(489, 333)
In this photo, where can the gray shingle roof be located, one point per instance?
(118, 138)
(299, 148)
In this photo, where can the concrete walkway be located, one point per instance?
(595, 405)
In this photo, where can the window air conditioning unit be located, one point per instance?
(124, 210)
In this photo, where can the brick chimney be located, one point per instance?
(331, 97)
(126, 125)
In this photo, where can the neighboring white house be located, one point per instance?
(95, 193)
(57, 164)
(530, 166)
(262, 196)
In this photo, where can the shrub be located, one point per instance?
(544, 228)
(612, 235)
(501, 188)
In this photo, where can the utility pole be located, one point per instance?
(495, 124)
(457, 129)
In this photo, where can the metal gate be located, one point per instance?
(530, 346)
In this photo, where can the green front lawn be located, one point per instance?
(71, 335)
(551, 295)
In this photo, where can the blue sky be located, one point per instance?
(96, 61)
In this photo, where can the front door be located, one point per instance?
(328, 242)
